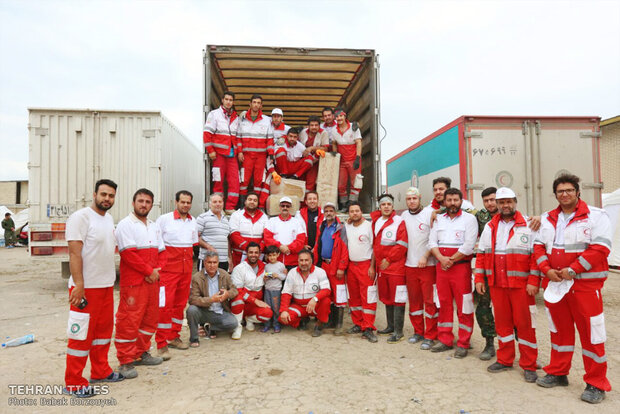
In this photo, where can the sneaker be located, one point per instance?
(265, 328)
(550, 381)
(177, 344)
(303, 324)
(84, 392)
(148, 359)
(355, 329)
(395, 338)
(164, 353)
(460, 352)
(427, 344)
(592, 394)
(530, 376)
(440, 347)
(317, 331)
(415, 339)
(277, 329)
(497, 367)
(370, 335)
(113, 377)
(128, 371)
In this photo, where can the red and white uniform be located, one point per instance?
(359, 243)
(245, 228)
(390, 243)
(279, 133)
(290, 159)
(452, 235)
(582, 242)
(299, 290)
(320, 139)
(423, 312)
(180, 236)
(347, 148)
(338, 261)
(249, 283)
(220, 136)
(505, 258)
(302, 216)
(289, 232)
(255, 141)
(96, 232)
(142, 249)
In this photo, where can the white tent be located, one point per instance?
(20, 218)
(611, 204)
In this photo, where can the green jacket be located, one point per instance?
(8, 224)
(483, 217)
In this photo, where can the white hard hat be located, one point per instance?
(286, 200)
(504, 192)
(329, 204)
(276, 111)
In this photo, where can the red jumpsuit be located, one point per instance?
(250, 286)
(245, 228)
(255, 141)
(299, 290)
(390, 243)
(339, 261)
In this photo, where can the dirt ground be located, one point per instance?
(290, 372)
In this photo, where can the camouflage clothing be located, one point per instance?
(484, 314)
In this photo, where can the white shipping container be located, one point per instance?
(70, 149)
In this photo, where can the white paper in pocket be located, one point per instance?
(216, 174)
(597, 329)
(551, 324)
(401, 294)
(162, 296)
(341, 293)
(435, 296)
(372, 294)
(241, 174)
(533, 315)
(77, 325)
(468, 304)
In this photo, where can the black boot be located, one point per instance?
(241, 203)
(489, 350)
(338, 318)
(331, 322)
(389, 312)
(317, 329)
(399, 322)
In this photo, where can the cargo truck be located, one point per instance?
(301, 82)
(70, 149)
(523, 153)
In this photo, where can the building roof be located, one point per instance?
(610, 121)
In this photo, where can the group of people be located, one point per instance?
(289, 270)
(249, 150)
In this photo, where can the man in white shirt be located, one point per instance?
(452, 240)
(213, 231)
(291, 159)
(90, 235)
(286, 233)
(246, 225)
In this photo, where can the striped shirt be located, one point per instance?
(215, 232)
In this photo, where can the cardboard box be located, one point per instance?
(327, 179)
(289, 187)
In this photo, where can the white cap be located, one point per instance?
(276, 111)
(329, 204)
(286, 200)
(556, 290)
(504, 192)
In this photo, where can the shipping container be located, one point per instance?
(523, 153)
(302, 81)
(70, 149)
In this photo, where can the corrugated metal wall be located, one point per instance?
(610, 156)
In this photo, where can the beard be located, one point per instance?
(102, 207)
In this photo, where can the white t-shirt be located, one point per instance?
(359, 240)
(418, 230)
(97, 234)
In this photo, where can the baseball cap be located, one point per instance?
(556, 290)
(504, 192)
(412, 191)
(286, 200)
(276, 111)
(329, 204)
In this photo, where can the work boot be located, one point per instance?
(178, 344)
(550, 381)
(241, 203)
(164, 353)
(344, 205)
(415, 338)
(440, 347)
(389, 312)
(399, 322)
(460, 352)
(339, 316)
(237, 332)
(530, 376)
(331, 322)
(128, 371)
(250, 321)
(497, 367)
(317, 329)
(592, 394)
(148, 359)
(370, 335)
(427, 344)
(355, 329)
(489, 350)
(303, 324)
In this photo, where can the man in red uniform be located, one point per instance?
(571, 250)
(178, 230)
(246, 225)
(220, 140)
(316, 141)
(347, 140)
(280, 129)
(390, 249)
(452, 240)
(505, 259)
(254, 144)
(143, 254)
(90, 235)
(305, 293)
(291, 158)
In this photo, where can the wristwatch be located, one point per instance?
(572, 272)
(315, 299)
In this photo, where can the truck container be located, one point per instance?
(70, 149)
(302, 81)
(523, 153)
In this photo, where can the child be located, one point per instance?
(275, 273)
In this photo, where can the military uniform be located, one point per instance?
(484, 314)
(9, 235)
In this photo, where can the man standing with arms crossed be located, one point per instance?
(420, 271)
(347, 140)
(452, 240)
(143, 254)
(571, 250)
(178, 229)
(90, 235)
(504, 262)
(220, 140)
(361, 273)
(246, 225)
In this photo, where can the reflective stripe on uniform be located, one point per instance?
(237, 302)
(506, 339)
(355, 308)
(177, 321)
(541, 259)
(563, 348)
(101, 341)
(416, 313)
(518, 274)
(125, 340)
(77, 352)
(143, 332)
(596, 358)
(591, 275)
(370, 311)
(428, 315)
(586, 265)
(465, 327)
(296, 311)
(527, 343)
(445, 325)
(164, 326)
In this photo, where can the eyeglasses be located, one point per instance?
(569, 191)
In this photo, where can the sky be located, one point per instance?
(439, 59)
